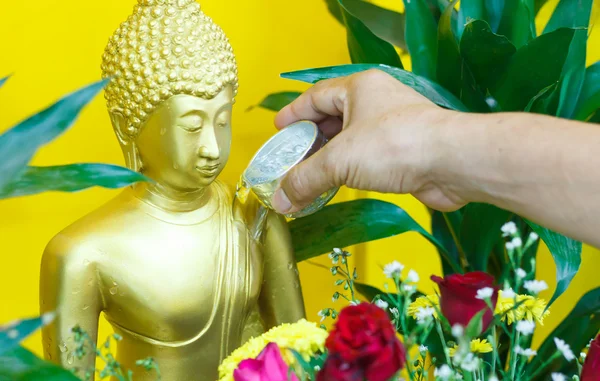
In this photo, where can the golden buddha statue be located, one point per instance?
(173, 264)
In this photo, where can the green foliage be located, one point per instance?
(421, 38)
(277, 101)
(21, 365)
(589, 98)
(13, 334)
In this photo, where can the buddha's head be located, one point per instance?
(173, 81)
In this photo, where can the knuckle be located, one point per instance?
(295, 187)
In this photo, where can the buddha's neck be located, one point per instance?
(171, 200)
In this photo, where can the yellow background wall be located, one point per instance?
(55, 47)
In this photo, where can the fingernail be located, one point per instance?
(281, 202)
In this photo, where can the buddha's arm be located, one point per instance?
(69, 287)
(281, 298)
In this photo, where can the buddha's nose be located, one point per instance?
(209, 147)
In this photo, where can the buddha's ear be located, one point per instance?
(126, 141)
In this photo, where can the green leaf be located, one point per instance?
(541, 103)
(431, 90)
(480, 231)
(70, 178)
(570, 14)
(589, 98)
(19, 144)
(277, 101)
(577, 329)
(370, 292)
(487, 54)
(421, 38)
(22, 365)
(364, 45)
(470, 9)
(3, 80)
(334, 8)
(475, 326)
(518, 21)
(350, 223)
(441, 231)
(452, 73)
(13, 334)
(532, 68)
(567, 257)
(494, 10)
(384, 23)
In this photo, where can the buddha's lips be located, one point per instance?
(208, 169)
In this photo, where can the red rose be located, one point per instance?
(591, 366)
(363, 345)
(458, 297)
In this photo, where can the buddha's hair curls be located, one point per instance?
(165, 48)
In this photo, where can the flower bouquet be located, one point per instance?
(473, 329)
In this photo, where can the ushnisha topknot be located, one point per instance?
(165, 48)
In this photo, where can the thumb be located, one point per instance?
(307, 181)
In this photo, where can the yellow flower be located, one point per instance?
(431, 300)
(530, 308)
(304, 337)
(477, 346)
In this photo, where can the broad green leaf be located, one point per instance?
(494, 10)
(577, 329)
(518, 21)
(470, 10)
(541, 103)
(571, 14)
(335, 10)
(3, 81)
(350, 223)
(384, 23)
(69, 178)
(19, 144)
(11, 335)
(22, 365)
(364, 46)
(532, 68)
(475, 326)
(480, 232)
(486, 53)
(431, 90)
(421, 38)
(442, 232)
(277, 101)
(567, 257)
(370, 292)
(452, 73)
(589, 99)
(538, 4)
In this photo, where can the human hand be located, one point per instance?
(381, 139)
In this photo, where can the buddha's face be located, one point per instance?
(186, 141)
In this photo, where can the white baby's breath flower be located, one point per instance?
(525, 327)
(521, 273)
(517, 242)
(508, 293)
(583, 355)
(533, 237)
(525, 352)
(394, 311)
(425, 313)
(393, 269)
(443, 372)
(457, 330)
(322, 314)
(409, 288)
(412, 276)
(564, 348)
(535, 286)
(470, 363)
(509, 246)
(558, 377)
(354, 303)
(382, 304)
(485, 293)
(423, 350)
(508, 229)
(493, 378)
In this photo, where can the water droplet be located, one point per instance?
(85, 307)
(290, 266)
(13, 334)
(175, 166)
(296, 285)
(163, 130)
(63, 347)
(70, 358)
(76, 290)
(114, 289)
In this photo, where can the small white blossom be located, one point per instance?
(424, 313)
(558, 377)
(525, 327)
(485, 293)
(444, 372)
(354, 303)
(322, 315)
(508, 293)
(412, 276)
(533, 237)
(393, 269)
(564, 348)
(521, 273)
(409, 288)
(509, 246)
(423, 350)
(493, 378)
(517, 242)
(382, 304)
(583, 355)
(509, 228)
(317, 368)
(470, 363)
(525, 352)
(457, 330)
(12, 334)
(535, 286)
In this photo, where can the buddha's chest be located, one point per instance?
(172, 284)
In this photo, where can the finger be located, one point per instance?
(321, 101)
(331, 126)
(307, 181)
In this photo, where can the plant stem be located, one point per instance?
(544, 365)
(440, 332)
(513, 355)
(461, 251)
(495, 351)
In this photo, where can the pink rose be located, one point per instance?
(268, 366)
